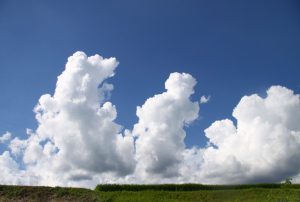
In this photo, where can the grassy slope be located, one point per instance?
(28, 193)
(20, 193)
(253, 194)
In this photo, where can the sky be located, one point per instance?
(222, 50)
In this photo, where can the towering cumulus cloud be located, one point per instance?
(78, 143)
(264, 146)
(77, 137)
(160, 130)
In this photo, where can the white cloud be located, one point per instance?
(11, 172)
(160, 129)
(78, 125)
(5, 137)
(77, 137)
(204, 99)
(17, 146)
(264, 146)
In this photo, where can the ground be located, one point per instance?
(27, 193)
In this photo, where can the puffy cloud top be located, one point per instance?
(160, 130)
(180, 86)
(263, 147)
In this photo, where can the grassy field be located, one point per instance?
(228, 193)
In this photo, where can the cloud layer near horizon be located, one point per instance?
(78, 142)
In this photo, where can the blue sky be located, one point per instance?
(232, 48)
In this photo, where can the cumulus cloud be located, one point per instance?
(77, 132)
(160, 129)
(78, 142)
(77, 137)
(264, 145)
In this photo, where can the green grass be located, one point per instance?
(253, 194)
(207, 193)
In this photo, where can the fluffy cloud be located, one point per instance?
(77, 138)
(160, 130)
(77, 134)
(78, 143)
(264, 145)
(5, 137)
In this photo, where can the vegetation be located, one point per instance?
(179, 187)
(242, 195)
(30, 193)
(164, 193)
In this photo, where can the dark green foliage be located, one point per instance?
(39, 193)
(179, 187)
